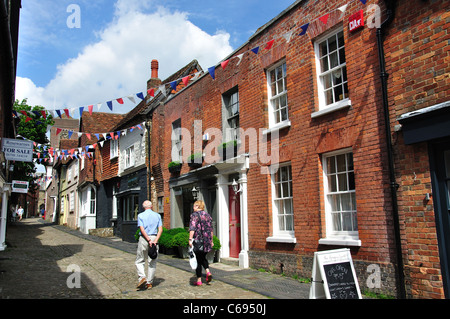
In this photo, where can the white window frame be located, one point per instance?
(278, 96)
(278, 235)
(324, 107)
(129, 157)
(113, 148)
(176, 141)
(72, 201)
(229, 104)
(69, 174)
(343, 188)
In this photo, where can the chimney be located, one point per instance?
(155, 67)
(154, 81)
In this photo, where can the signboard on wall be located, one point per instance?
(356, 21)
(19, 187)
(17, 150)
(333, 276)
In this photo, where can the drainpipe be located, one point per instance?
(390, 6)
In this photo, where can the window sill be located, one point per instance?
(333, 108)
(277, 127)
(340, 241)
(281, 239)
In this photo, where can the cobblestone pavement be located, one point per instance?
(40, 259)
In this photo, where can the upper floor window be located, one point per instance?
(176, 141)
(129, 157)
(113, 148)
(231, 115)
(332, 71)
(278, 98)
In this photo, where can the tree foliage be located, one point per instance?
(33, 127)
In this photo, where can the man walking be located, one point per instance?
(150, 225)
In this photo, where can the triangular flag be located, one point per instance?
(224, 64)
(304, 28)
(70, 134)
(151, 92)
(58, 130)
(269, 44)
(101, 143)
(173, 84)
(343, 8)
(79, 134)
(131, 98)
(109, 103)
(88, 136)
(99, 105)
(104, 135)
(24, 113)
(185, 80)
(97, 136)
(81, 111)
(44, 114)
(112, 135)
(255, 50)
(90, 107)
(212, 72)
(363, 1)
(59, 113)
(67, 112)
(162, 89)
(119, 100)
(140, 95)
(287, 36)
(28, 119)
(324, 18)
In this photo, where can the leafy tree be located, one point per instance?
(32, 126)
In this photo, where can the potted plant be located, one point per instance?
(181, 240)
(214, 254)
(228, 149)
(174, 167)
(195, 160)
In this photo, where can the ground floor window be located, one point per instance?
(130, 207)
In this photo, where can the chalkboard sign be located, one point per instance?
(334, 276)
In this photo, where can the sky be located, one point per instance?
(75, 53)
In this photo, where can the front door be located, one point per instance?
(440, 177)
(235, 222)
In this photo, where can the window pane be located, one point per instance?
(332, 187)
(332, 44)
(336, 220)
(347, 222)
(342, 182)
(341, 167)
(289, 222)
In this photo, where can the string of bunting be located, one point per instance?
(173, 84)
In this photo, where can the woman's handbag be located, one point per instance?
(192, 259)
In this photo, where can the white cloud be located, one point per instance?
(118, 64)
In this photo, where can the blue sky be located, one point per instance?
(109, 55)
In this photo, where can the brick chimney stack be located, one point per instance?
(154, 81)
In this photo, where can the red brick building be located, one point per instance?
(304, 100)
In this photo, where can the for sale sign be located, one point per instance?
(19, 187)
(17, 150)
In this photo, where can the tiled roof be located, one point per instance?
(99, 122)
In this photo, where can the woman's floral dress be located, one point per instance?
(201, 224)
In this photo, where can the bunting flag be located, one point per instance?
(187, 79)
(212, 72)
(224, 64)
(324, 18)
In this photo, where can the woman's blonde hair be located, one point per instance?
(201, 204)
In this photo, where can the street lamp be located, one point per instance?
(194, 192)
(236, 186)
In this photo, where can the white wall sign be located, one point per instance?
(17, 150)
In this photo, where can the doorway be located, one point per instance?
(234, 202)
(440, 178)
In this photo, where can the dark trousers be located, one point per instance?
(201, 262)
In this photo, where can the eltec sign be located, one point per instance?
(356, 21)
(17, 150)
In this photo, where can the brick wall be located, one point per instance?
(358, 128)
(417, 58)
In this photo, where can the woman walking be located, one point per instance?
(201, 238)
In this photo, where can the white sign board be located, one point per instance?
(17, 150)
(333, 276)
(19, 187)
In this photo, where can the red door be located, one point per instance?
(235, 223)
